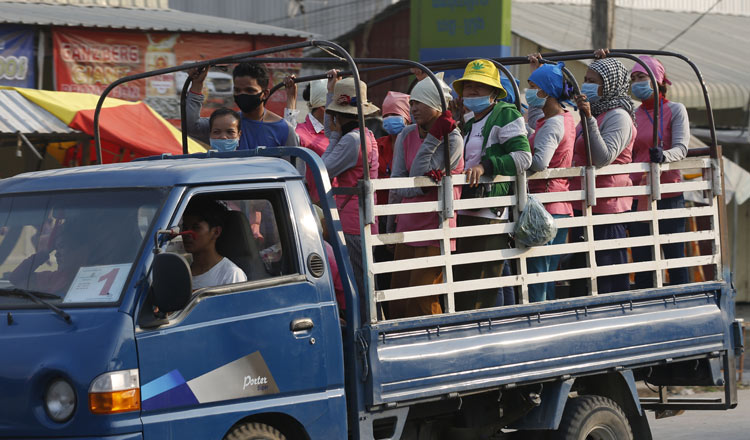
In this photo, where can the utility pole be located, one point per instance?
(602, 23)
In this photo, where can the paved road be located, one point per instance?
(700, 425)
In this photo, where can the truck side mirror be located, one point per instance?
(172, 282)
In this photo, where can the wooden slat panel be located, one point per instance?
(406, 208)
(401, 182)
(691, 185)
(637, 167)
(554, 173)
(687, 164)
(486, 202)
(407, 237)
(623, 191)
(566, 196)
(683, 237)
(410, 292)
(697, 211)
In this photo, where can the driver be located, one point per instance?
(204, 219)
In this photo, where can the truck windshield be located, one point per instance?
(72, 247)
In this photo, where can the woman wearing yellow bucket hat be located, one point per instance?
(343, 158)
(494, 143)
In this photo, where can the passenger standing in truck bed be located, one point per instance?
(496, 143)
(552, 147)
(224, 129)
(420, 150)
(260, 127)
(610, 120)
(344, 161)
(674, 137)
(396, 116)
(311, 132)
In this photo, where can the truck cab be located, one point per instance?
(87, 357)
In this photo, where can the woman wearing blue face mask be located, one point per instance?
(224, 129)
(674, 137)
(609, 116)
(552, 147)
(395, 117)
(494, 143)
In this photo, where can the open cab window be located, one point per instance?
(256, 234)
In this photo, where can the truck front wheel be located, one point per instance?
(593, 418)
(255, 431)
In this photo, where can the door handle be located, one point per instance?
(301, 324)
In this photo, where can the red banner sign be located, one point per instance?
(88, 61)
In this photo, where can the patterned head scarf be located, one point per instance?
(615, 91)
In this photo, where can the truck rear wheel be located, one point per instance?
(255, 431)
(593, 418)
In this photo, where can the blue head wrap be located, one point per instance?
(549, 78)
(511, 96)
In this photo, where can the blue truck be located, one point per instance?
(103, 338)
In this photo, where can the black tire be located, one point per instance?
(255, 431)
(593, 418)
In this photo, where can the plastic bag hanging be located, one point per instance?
(536, 226)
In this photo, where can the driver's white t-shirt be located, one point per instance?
(224, 272)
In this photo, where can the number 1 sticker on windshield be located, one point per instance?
(98, 284)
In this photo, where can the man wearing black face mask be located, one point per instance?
(259, 126)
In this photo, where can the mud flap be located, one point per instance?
(392, 420)
(550, 411)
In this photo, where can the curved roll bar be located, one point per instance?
(391, 63)
(253, 57)
(427, 67)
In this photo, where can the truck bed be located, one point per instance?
(426, 358)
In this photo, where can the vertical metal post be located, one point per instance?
(735, 214)
(183, 113)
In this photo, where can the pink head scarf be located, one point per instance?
(398, 104)
(655, 66)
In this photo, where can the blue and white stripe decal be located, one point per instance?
(245, 377)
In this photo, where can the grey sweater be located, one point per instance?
(610, 138)
(680, 133)
(546, 141)
(430, 156)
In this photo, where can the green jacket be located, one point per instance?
(503, 133)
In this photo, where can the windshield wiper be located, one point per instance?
(39, 298)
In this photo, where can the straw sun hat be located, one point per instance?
(345, 98)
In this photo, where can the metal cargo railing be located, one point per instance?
(709, 184)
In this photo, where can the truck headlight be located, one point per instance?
(115, 392)
(60, 400)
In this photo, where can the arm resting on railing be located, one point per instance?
(431, 154)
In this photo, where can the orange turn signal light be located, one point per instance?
(115, 401)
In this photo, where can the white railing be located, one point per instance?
(709, 183)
